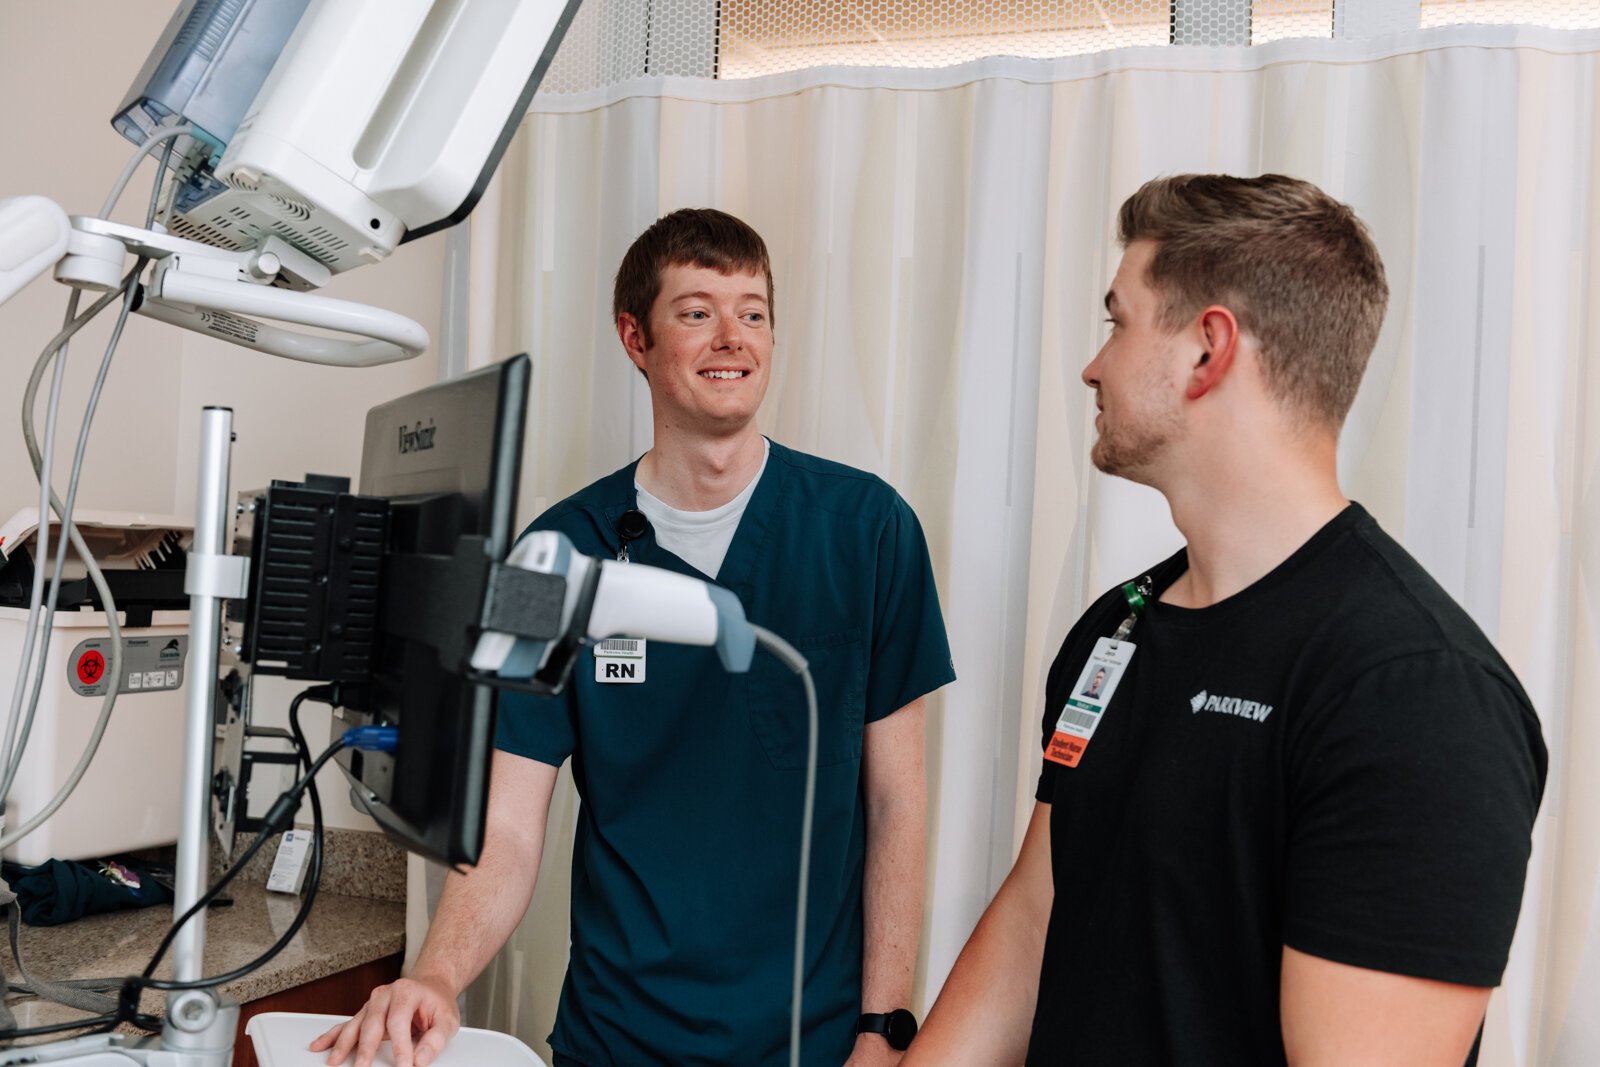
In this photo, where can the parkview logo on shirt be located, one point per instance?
(1249, 709)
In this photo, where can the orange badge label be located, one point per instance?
(1066, 749)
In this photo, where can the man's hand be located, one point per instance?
(477, 911)
(417, 1015)
(872, 1050)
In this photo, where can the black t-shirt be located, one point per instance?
(1334, 759)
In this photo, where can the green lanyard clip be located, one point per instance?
(1135, 594)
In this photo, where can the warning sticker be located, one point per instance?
(234, 327)
(91, 665)
(149, 664)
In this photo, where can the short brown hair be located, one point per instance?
(691, 236)
(1294, 265)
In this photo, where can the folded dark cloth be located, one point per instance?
(59, 891)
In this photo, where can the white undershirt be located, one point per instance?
(699, 538)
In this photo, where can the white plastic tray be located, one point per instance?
(281, 1037)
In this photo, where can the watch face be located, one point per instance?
(902, 1027)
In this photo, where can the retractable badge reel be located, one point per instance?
(630, 526)
(622, 660)
(1097, 683)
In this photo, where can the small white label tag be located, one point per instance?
(289, 867)
(1086, 704)
(619, 661)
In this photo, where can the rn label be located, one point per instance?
(619, 661)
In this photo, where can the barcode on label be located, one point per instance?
(620, 644)
(1081, 719)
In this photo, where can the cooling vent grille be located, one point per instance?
(235, 219)
(290, 208)
(317, 563)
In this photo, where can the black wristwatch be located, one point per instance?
(898, 1027)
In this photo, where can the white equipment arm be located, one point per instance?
(219, 308)
(33, 236)
(204, 289)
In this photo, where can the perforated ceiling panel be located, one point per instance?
(615, 40)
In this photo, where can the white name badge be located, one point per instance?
(619, 661)
(1086, 703)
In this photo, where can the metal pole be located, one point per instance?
(205, 618)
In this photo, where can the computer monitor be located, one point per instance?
(448, 459)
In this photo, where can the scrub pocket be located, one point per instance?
(838, 664)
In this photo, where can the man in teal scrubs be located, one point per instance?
(686, 857)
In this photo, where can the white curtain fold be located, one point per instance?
(941, 241)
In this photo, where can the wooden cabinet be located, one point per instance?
(336, 994)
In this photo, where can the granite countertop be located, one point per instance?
(342, 931)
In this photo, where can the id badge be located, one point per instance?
(619, 661)
(1087, 702)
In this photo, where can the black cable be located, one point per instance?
(275, 821)
(314, 879)
(211, 894)
(303, 751)
(98, 1024)
(300, 745)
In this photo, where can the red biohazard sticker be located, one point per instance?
(91, 666)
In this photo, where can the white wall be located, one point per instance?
(64, 68)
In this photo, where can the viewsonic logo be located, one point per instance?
(417, 439)
(1197, 701)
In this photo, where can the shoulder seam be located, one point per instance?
(1404, 586)
(1443, 649)
(823, 466)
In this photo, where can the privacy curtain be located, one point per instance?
(941, 240)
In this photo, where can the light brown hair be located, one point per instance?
(694, 237)
(1295, 266)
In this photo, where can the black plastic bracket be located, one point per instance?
(447, 601)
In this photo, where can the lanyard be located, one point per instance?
(1134, 593)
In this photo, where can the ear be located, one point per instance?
(632, 336)
(1219, 334)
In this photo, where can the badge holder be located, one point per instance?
(1097, 683)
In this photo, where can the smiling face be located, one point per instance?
(707, 351)
(1136, 378)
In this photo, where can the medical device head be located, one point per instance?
(207, 68)
(381, 121)
(305, 137)
(606, 598)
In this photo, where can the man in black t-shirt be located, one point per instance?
(1292, 821)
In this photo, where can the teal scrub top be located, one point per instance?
(686, 855)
